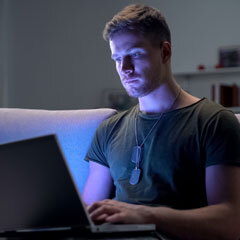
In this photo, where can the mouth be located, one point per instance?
(129, 80)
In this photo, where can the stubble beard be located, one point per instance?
(142, 90)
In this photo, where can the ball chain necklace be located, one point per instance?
(136, 153)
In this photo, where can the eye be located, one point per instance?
(136, 54)
(117, 59)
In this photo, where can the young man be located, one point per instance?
(173, 159)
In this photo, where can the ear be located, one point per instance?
(166, 51)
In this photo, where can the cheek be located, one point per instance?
(143, 67)
(118, 69)
(152, 66)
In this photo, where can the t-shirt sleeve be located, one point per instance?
(222, 139)
(97, 149)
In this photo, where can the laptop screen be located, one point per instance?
(36, 187)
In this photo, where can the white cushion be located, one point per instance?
(74, 129)
(238, 116)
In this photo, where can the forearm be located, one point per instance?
(212, 222)
(99, 184)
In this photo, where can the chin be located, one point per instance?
(136, 94)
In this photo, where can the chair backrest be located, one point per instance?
(74, 129)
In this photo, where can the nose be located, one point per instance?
(127, 66)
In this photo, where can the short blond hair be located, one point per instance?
(144, 19)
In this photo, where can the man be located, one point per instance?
(174, 159)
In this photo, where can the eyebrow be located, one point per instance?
(129, 51)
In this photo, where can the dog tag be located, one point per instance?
(136, 154)
(135, 176)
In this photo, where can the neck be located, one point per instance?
(162, 99)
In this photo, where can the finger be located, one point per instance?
(120, 204)
(100, 219)
(94, 206)
(98, 204)
(108, 210)
(116, 218)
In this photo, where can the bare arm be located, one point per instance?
(219, 220)
(98, 185)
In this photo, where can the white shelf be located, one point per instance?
(214, 71)
(200, 82)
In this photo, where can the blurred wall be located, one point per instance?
(1, 52)
(53, 55)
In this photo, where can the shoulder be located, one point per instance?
(118, 119)
(208, 108)
(210, 112)
(218, 133)
(206, 111)
(206, 118)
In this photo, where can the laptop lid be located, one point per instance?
(38, 192)
(36, 187)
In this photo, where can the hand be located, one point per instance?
(112, 211)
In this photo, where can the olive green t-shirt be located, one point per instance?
(174, 156)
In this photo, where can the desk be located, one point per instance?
(67, 235)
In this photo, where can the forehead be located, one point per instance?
(126, 40)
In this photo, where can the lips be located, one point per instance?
(129, 80)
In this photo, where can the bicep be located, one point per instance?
(99, 183)
(223, 185)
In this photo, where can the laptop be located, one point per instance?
(38, 192)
